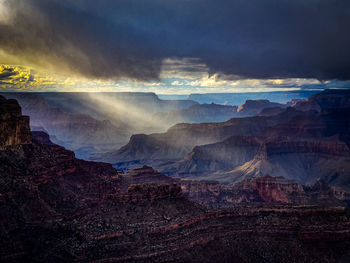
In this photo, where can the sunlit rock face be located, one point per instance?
(14, 128)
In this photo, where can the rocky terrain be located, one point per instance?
(182, 138)
(103, 122)
(76, 131)
(213, 112)
(254, 107)
(262, 189)
(317, 146)
(13, 126)
(316, 142)
(87, 124)
(328, 99)
(56, 208)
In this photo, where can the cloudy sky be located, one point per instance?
(166, 46)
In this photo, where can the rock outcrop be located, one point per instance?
(270, 190)
(327, 99)
(73, 130)
(263, 189)
(42, 137)
(14, 128)
(254, 107)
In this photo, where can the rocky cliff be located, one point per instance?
(264, 189)
(327, 99)
(305, 148)
(270, 190)
(301, 160)
(254, 107)
(76, 131)
(181, 138)
(13, 126)
(322, 115)
(56, 208)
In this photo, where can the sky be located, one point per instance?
(174, 47)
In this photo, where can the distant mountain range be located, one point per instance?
(240, 98)
(304, 142)
(100, 122)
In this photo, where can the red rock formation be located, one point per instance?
(271, 190)
(56, 208)
(264, 189)
(147, 175)
(14, 128)
(74, 130)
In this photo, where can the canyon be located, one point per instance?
(312, 134)
(90, 123)
(318, 147)
(181, 138)
(200, 113)
(55, 207)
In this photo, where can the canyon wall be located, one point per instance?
(56, 208)
(13, 126)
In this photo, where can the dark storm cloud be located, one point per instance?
(129, 38)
